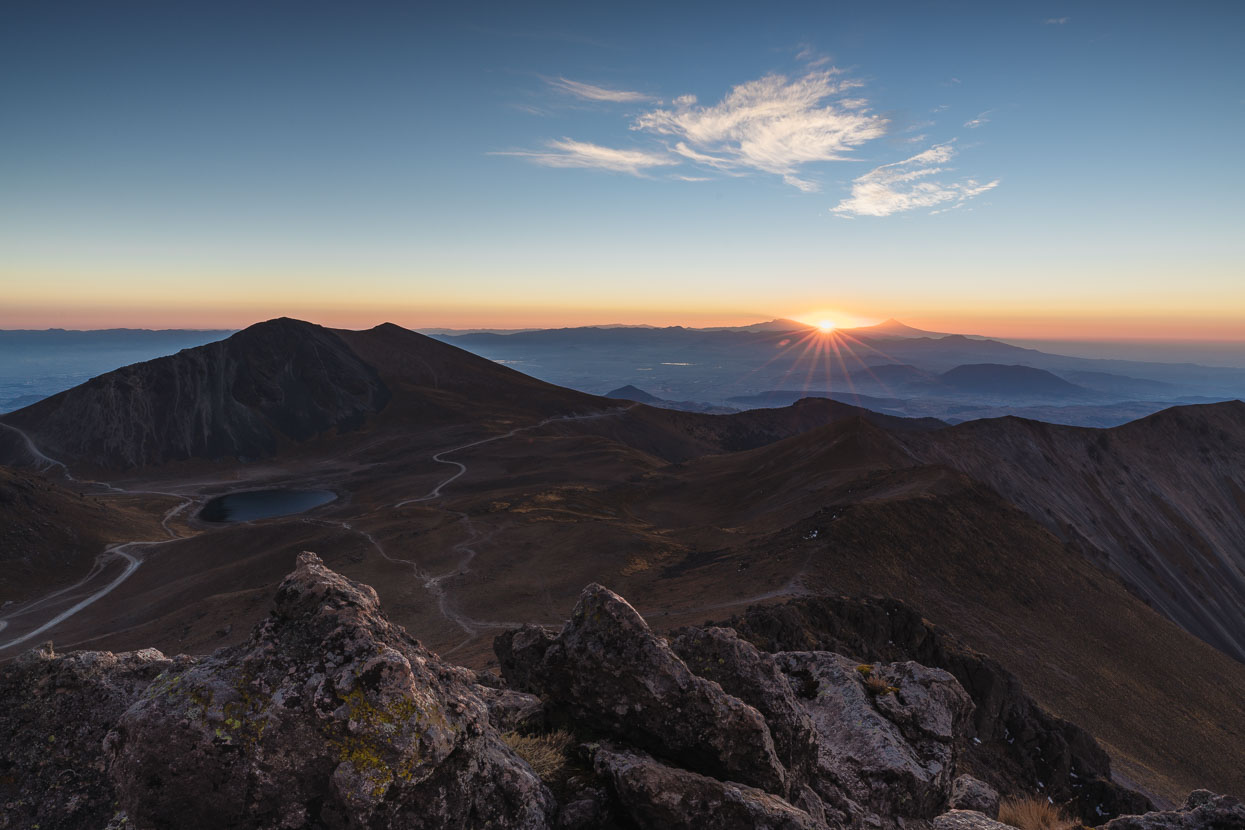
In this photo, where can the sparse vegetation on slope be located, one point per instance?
(1029, 813)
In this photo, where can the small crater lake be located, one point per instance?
(263, 504)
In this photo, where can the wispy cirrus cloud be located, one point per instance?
(772, 125)
(775, 125)
(909, 185)
(567, 152)
(1056, 21)
(590, 92)
(981, 119)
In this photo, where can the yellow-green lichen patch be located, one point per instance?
(390, 741)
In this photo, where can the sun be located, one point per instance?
(825, 325)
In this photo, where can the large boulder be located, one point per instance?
(330, 716)
(1202, 811)
(967, 820)
(1018, 741)
(890, 749)
(969, 793)
(57, 710)
(742, 670)
(658, 796)
(608, 672)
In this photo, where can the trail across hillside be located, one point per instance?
(100, 568)
(434, 583)
(126, 552)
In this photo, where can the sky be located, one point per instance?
(1040, 170)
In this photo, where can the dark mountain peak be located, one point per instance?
(632, 393)
(274, 382)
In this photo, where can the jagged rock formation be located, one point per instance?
(1018, 743)
(56, 711)
(855, 756)
(610, 673)
(330, 716)
(656, 795)
(1202, 809)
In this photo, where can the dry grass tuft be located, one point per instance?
(1029, 813)
(875, 684)
(548, 755)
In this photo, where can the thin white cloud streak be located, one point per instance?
(908, 185)
(590, 92)
(567, 152)
(1056, 21)
(773, 125)
(974, 123)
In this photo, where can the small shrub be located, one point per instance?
(1029, 813)
(876, 685)
(548, 755)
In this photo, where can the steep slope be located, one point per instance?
(1160, 500)
(51, 535)
(242, 397)
(272, 385)
(855, 511)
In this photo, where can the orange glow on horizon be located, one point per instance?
(1051, 325)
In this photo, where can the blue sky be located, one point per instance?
(1062, 168)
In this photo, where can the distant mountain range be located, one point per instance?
(918, 373)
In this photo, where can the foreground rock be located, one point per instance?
(718, 654)
(655, 795)
(890, 751)
(330, 716)
(56, 711)
(1202, 811)
(1018, 743)
(608, 672)
(969, 793)
(967, 820)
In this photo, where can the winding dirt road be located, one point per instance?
(102, 567)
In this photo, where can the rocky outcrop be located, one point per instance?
(1203, 810)
(509, 710)
(1018, 743)
(889, 748)
(742, 670)
(609, 673)
(720, 709)
(967, 820)
(969, 793)
(56, 711)
(330, 716)
(655, 795)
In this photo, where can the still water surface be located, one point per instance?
(263, 504)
